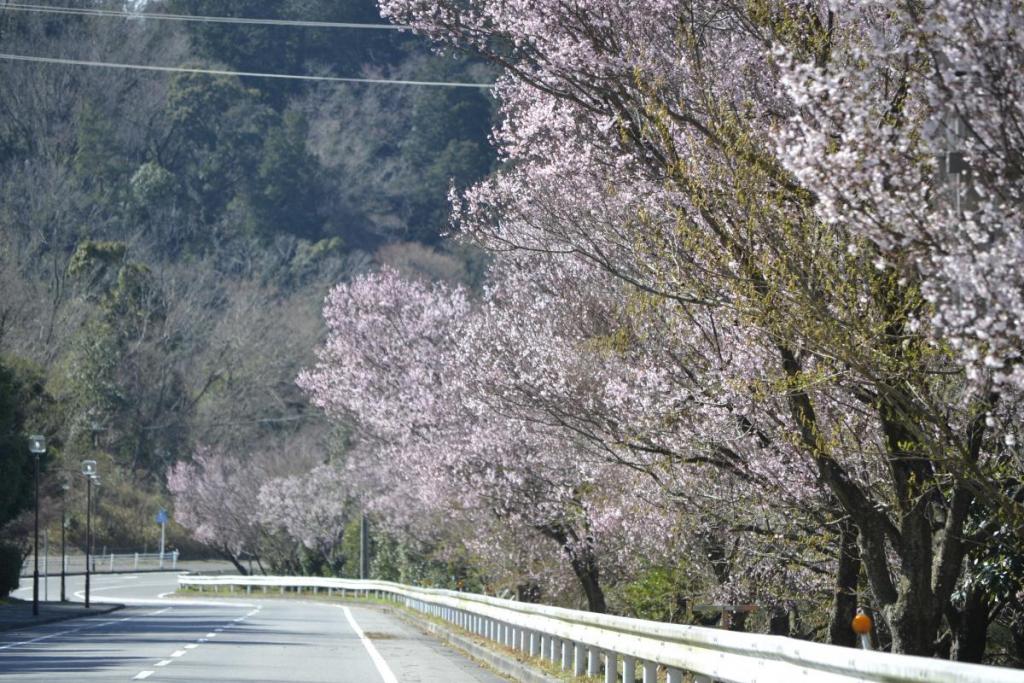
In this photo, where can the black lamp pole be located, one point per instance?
(88, 534)
(63, 530)
(37, 446)
(35, 572)
(88, 471)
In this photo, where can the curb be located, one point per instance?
(93, 611)
(501, 663)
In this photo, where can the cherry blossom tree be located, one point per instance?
(698, 151)
(311, 507)
(216, 498)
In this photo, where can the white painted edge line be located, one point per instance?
(382, 667)
(143, 675)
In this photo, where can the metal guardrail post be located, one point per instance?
(628, 669)
(611, 667)
(578, 654)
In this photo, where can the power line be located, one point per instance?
(249, 74)
(97, 12)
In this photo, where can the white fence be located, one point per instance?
(587, 643)
(103, 563)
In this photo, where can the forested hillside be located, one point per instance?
(166, 240)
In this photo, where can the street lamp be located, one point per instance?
(63, 533)
(89, 472)
(36, 446)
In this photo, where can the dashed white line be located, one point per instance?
(160, 611)
(211, 635)
(143, 675)
(163, 662)
(178, 653)
(191, 646)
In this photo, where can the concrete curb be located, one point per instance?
(78, 614)
(500, 662)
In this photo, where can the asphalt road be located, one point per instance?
(159, 638)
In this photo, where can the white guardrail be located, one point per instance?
(587, 643)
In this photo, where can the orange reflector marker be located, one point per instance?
(862, 627)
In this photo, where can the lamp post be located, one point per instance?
(63, 534)
(89, 472)
(36, 446)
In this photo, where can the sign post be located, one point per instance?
(161, 519)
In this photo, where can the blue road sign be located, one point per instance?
(161, 517)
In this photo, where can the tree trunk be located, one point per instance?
(844, 599)
(583, 563)
(234, 560)
(970, 630)
(914, 619)
(584, 566)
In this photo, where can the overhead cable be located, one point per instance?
(98, 12)
(248, 74)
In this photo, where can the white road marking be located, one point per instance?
(191, 646)
(143, 675)
(163, 662)
(382, 667)
(160, 611)
(178, 653)
(211, 635)
(219, 630)
(106, 622)
(36, 640)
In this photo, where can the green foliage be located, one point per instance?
(10, 568)
(15, 462)
(286, 50)
(286, 188)
(659, 594)
(99, 161)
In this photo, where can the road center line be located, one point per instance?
(163, 662)
(143, 675)
(382, 667)
(178, 653)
